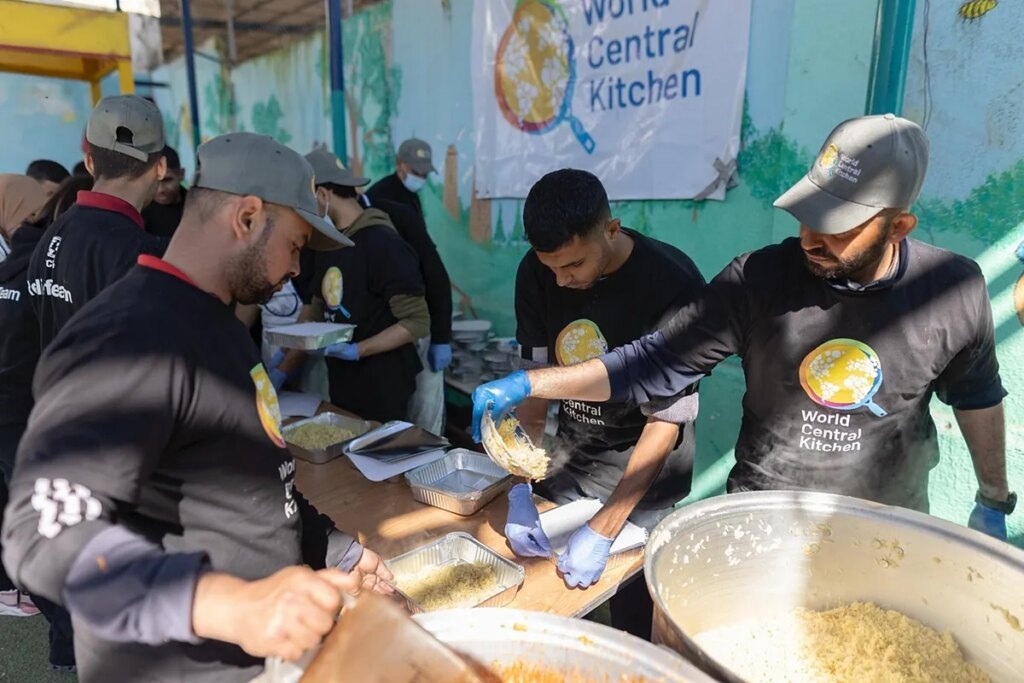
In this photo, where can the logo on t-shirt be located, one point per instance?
(841, 374)
(579, 342)
(266, 404)
(332, 287)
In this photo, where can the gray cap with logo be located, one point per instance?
(258, 165)
(329, 169)
(867, 164)
(127, 124)
(417, 154)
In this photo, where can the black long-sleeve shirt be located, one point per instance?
(406, 213)
(838, 381)
(155, 453)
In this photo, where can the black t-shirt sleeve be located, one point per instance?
(971, 380)
(437, 284)
(531, 328)
(101, 422)
(392, 264)
(696, 339)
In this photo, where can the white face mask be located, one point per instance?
(413, 182)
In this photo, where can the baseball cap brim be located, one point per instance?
(822, 211)
(325, 236)
(422, 168)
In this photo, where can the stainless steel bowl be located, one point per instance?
(505, 636)
(763, 554)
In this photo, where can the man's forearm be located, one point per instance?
(533, 416)
(387, 340)
(984, 431)
(584, 382)
(648, 459)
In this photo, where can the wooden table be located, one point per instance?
(387, 519)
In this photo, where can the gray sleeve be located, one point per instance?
(677, 410)
(129, 590)
(343, 551)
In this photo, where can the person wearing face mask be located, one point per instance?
(378, 287)
(846, 333)
(95, 243)
(153, 494)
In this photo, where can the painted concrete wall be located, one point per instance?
(407, 73)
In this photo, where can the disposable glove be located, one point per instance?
(499, 397)
(584, 558)
(988, 521)
(522, 529)
(343, 351)
(439, 356)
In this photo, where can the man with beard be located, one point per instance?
(153, 494)
(163, 215)
(845, 333)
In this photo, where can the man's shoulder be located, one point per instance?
(941, 261)
(666, 259)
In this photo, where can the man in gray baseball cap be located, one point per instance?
(194, 556)
(846, 333)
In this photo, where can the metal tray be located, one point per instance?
(460, 548)
(319, 456)
(461, 482)
(309, 336)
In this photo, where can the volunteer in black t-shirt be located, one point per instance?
(589, 284)
(375, 286)
(845, 334)
(95, 243)
(153, 494)
(398, 196)
(163, 214)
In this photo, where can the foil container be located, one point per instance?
(461, 482)
(319, 456)
(309, 336)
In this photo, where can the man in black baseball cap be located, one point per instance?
(845, 333)
(95, 243)
(164, 213)
(153, 494)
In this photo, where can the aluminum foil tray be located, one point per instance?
(461, 548)
(319, 456)
(461, 482)
(309, 336)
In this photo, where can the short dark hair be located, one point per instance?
(341, 191)
(203, 202)
(562, 205)
(173, 161)
(62, 200)
(110, 165)
(80, 169)
(45, 169)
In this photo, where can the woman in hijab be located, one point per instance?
(19, 353)
(20, 198)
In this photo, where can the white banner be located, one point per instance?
(645, 94)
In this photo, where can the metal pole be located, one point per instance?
(190, 70)
(337, 70)
(890, 56)
(229, 11)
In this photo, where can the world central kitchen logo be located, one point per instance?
(538, 61)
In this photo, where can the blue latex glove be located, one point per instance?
(988, 521)
(499, 397)
(343, 351)
(439, 356)
(584, 558)
(277, 377)
(522, 529)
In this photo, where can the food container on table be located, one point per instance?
(764, 554)
(319, 456)
(578, 650)
(461, 548)
(470, 330)
(461, 482)
(513, 456)
(309, 336)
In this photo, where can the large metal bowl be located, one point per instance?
(763, 554)
(579, 648)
